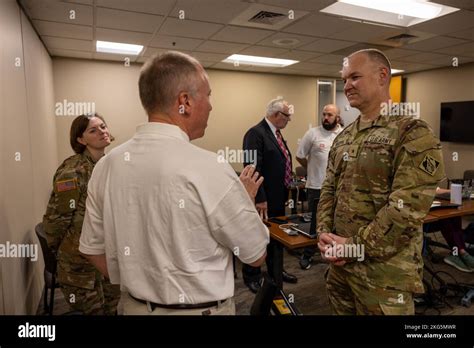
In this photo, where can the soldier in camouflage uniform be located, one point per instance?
(84, 288)
(380, 183)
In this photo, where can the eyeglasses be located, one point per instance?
(286, 115)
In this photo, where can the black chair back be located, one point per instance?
(50, 262)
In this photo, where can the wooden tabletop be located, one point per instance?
(467, 208)
(300, 241)
(430, 218)
(291, 242)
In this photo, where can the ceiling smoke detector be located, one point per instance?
(286, 42)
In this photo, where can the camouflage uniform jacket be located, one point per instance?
(380, 183)
(64, 217)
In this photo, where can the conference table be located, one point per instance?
(280, 240)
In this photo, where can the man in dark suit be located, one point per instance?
(273, 162)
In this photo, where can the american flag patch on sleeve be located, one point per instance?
(66, 185)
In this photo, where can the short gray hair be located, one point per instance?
(163, 77)
(275, 105)
(377, 56)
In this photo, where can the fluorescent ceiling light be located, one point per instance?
(412, 8)
(118, 48)
(396, 71)
(260, 61)
(401, 13)
(324, 83)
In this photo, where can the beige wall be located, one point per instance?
(431, 88)
(238, 100)
(27, 130)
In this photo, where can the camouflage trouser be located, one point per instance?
(349, 295)
(89, 292)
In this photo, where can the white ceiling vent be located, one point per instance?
(267, 17)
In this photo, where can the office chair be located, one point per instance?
(50, 265)
(468, 175)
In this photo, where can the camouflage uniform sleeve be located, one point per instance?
(326, 206)
(61, 206)
(418, 167)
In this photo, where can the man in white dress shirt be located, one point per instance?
(163, 216)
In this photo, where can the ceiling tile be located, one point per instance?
(189, 28)
(326, 45)
(151, 51)
(52, 10)
(161, 7)
(396, 53)
(71, 31)
(131, 37)
(364, 33)
(318, 25)
(242, 35)
(175, 43)
(461, 50)
(68, 44)
(263, 51)
(210, 57)
(464, 34)
(466, 4)
(299, 55)
(70, 53)
(302, 40)
(332, 59)
(220, 47)
(82, 2)
(426, 57)
(124, 20)
(450, 23)
(217, 11)
(434, 43)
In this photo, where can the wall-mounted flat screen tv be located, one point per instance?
(457, 122)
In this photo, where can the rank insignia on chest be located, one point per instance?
(66, 185)
(429, 165)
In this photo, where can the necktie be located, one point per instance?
(288, 163)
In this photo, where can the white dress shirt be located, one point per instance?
(168, 216)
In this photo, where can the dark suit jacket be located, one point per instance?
(271, 164)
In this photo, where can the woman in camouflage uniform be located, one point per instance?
(84, 288)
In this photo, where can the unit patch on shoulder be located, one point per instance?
(429, 165)
(66, 185)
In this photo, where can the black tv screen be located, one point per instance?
(457, 119)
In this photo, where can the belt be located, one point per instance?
(178, 306)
